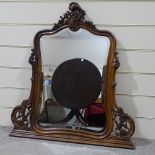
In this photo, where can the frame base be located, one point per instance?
(109, 141)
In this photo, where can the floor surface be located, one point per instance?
(25, 146)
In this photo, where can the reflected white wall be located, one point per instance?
(66, 45)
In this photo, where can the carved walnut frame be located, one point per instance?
(120, 126)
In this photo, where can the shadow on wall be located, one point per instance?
(125, 89)
(25, 73)
(24, 79)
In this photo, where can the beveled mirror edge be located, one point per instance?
(24, 116)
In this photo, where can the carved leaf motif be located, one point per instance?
(116, 61)
(21, 115)
(124, 126)
(32, 57)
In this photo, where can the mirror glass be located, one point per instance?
(57, 49)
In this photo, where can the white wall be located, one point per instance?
(133, 24)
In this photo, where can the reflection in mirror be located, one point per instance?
(68, 46)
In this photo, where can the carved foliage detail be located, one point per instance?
(32, 57)
(74, 17)
(116, 61)
(124, 125)
(21, 115)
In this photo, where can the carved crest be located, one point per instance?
(73, 18)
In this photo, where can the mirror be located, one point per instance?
(58, 48)
(72, 97)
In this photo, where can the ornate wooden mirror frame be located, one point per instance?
(120, 127)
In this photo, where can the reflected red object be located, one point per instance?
(95, 115)
(96, 108)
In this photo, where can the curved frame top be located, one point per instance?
(24, 116)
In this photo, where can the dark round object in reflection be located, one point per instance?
(76, 83)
